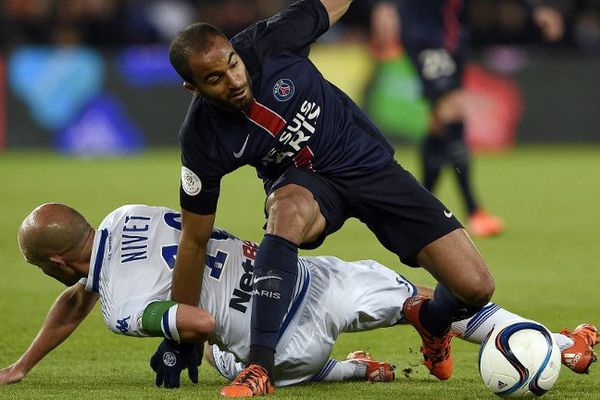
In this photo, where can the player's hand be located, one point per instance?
(550, 22)
(385, 30)
(171, 358)
(11, 374)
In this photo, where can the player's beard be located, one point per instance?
(235, 105)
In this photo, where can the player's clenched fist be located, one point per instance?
(171, 358)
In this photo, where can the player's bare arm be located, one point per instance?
(385, 25)
(65, 315)
(187, 275)
(335, 9)
(550, 21)
(194, 324)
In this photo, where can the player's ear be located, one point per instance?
(57, 260)
(192, 88)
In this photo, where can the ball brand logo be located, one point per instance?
(284, 89)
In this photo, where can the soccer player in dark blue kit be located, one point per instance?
(258, 100)
(434, 35)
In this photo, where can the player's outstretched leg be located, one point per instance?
(252, 381)
(436, 350)
(376, 371)
(581, 355)
(576, 346)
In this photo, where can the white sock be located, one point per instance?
(564, 342)
(476, 328)
(335, 371)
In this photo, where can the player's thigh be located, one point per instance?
(304, 356)
(377, 294)
(403, 215)
(331, 204)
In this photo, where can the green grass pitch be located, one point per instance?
(546, 267)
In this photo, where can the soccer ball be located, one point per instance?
(519, 359)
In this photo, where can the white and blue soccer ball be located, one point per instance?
(519, 359)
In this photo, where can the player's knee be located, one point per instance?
(292, 208)
(480, 290)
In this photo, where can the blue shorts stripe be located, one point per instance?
(297, 301)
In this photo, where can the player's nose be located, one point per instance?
(235, 81)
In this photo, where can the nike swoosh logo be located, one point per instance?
(262, 278)
(448, 214)
(239, 153)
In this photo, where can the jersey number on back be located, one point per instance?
(169, 252)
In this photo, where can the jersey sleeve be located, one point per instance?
(201, 170)
(198, 193)
(292, 30)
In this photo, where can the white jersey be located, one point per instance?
(134, 254)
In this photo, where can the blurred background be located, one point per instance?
(91, 77)
(84, 82)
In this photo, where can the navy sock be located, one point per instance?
(263, 356)
(433, 159)
(445, 308)
(458, 153)
(275, 273)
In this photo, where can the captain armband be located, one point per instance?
(159, 319)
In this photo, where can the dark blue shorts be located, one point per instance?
(440, 71)
(403, 215)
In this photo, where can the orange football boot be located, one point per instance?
(377, 371)
(581, 355)
(483, 224)
(252, 381)
(436, 351)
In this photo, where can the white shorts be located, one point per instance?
(343, 297)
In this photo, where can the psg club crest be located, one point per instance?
(284, 89)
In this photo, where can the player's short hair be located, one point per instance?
(51, 228)
(195, 38)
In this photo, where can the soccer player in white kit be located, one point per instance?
(131, 268)
(127, 264)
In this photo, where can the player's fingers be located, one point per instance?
(193, 373)
(154, 362)
(172, 379)
(159, 377)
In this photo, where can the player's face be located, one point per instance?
(61, 273)
(221, 77)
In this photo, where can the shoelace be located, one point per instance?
(251, 379)
(440, 350)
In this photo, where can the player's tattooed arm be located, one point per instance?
(65, 315)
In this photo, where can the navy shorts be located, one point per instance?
(402, 214)
(440, 71)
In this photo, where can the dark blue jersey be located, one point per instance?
(433, 23)
(439, 23)
(297, 118)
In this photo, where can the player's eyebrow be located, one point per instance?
(216, 73)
